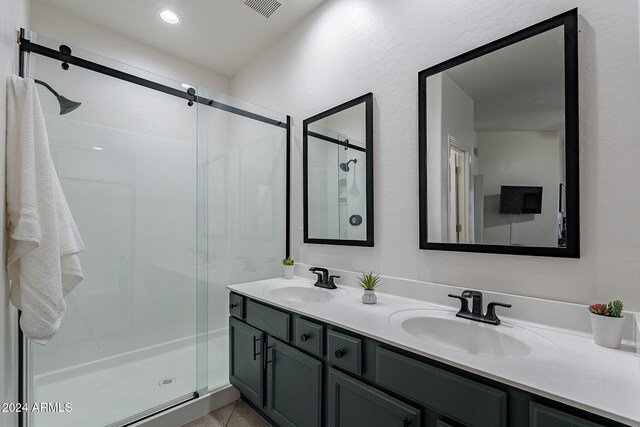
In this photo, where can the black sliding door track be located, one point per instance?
(27, 46)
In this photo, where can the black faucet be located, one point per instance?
(476, 310)
(324, 279)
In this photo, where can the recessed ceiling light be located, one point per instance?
(169, 16)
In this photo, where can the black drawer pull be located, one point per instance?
(405, 422)
(255, 340)
(339, 353)
(304, 337)
(232, 305)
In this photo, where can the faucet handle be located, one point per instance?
(471, 294)
(331, 281)
(491, 311)
(464, 307)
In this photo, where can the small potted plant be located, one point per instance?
(606, 323)
(288, 267)
(369, 282)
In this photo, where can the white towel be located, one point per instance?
(42, 260)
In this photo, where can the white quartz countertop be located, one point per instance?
(570, 368)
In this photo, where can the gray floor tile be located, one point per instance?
(245, 416)
(217, 418)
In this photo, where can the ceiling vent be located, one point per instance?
(263, 7)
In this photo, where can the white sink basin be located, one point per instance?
(443, 328)
(303, 293)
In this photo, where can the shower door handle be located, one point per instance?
(255, 340)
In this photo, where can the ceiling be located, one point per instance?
(221, 35)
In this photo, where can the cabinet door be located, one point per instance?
(355, 404)
(294, 386)
(245, 360)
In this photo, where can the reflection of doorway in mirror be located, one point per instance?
(459, 191)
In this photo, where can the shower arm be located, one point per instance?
(40, 82)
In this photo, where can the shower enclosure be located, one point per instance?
(176, 195)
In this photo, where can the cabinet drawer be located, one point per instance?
(309, 336)
(236, 305)
(345, 351)
(270, 320)
(456, 397)
(542, 416)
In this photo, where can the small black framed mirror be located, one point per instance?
(338, 174)
(498, 145)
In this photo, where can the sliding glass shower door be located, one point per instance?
(174, 202)
(245, 170)
(127, 161)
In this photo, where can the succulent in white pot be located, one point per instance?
(369, 282)
(288, 266)
(607, 323)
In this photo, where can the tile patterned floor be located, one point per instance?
(236, 414)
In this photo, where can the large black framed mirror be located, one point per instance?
(498, 145)
(338, 174)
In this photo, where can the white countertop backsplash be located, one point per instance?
(597, 379)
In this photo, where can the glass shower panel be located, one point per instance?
(127, 161)
(246, 171)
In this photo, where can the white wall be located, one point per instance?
(381, 46)
(13, 15)
(520, 158)
(451, 113)
(458, 122)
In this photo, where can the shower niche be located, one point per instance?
(338, 174)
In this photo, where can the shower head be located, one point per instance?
(345, 166)
(66, 105)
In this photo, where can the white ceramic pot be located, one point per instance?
(369, 297)
(288, 271)
(607, 330)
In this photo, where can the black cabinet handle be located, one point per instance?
(265, 359)
(405, 422)
(304, 337)
(255, 340)
(232, 305)
(339, 353)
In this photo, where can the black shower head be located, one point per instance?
(66, 105)
(345, 166)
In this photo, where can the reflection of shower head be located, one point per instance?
(66, 105)
(345, 166)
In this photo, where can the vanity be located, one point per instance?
(305, 356)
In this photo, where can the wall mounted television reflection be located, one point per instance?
(498, 142)
(516, 200)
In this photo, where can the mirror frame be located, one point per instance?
(367, 99)
(568, 20)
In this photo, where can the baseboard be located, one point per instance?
(193, 409)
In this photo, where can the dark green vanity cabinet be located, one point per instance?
(302, 372)
(283, 382)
